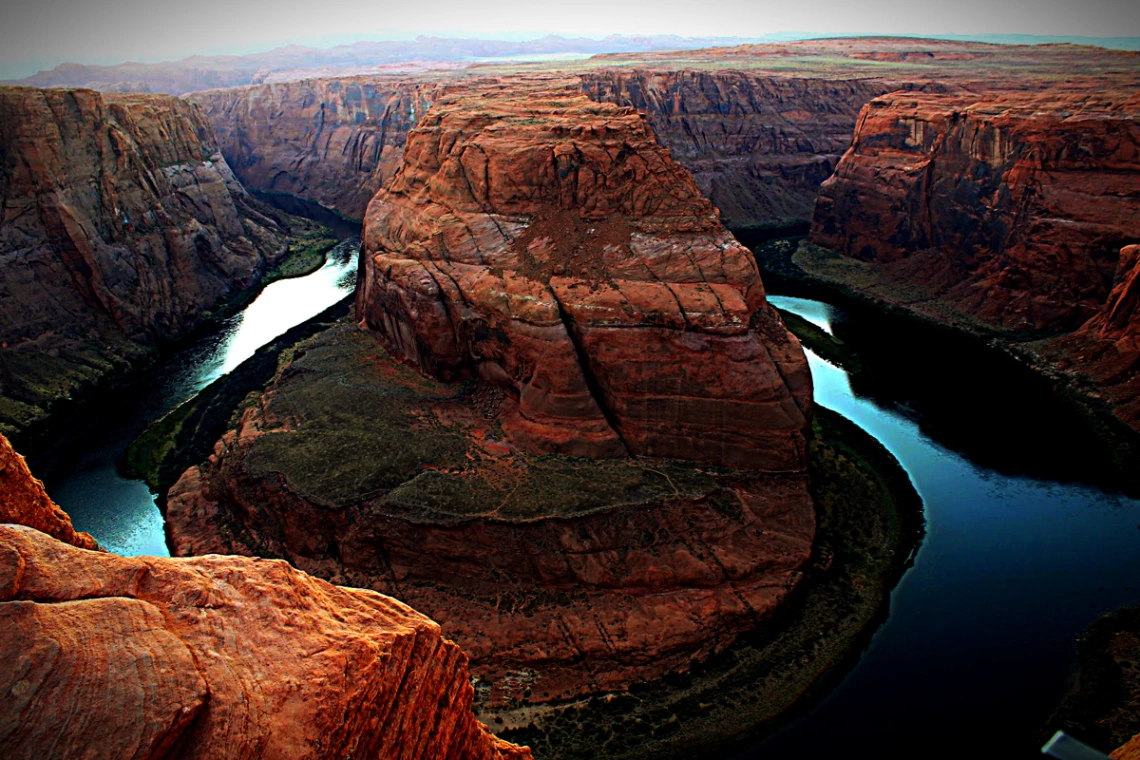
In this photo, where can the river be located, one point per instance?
(1023, 550)
(1024, 544)
(82, 472)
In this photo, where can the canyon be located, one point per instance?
(214, 657)
(122, 228)
(545, 293)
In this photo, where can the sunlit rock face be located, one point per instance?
(1012, 206)
(550, 245)
(23, 500)
(216, 657)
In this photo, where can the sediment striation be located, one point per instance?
(215, 657)
(758, 145)
(554, 318)
(551, 246)
(122, 226)
(1011, 207)
(557, 575)
(335, 141)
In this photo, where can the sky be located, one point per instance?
(39, 34)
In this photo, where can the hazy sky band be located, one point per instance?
(39, 34)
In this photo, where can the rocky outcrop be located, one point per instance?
(23, 500)
(121, 226)
(1011, 208)
(758, 145)
(562, 297)
(1103, 356)
(550, 245)
(217, 657)
(335, 141)
(557, 575)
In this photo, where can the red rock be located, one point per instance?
(215, 657)
(335, 141)
(23, 500)
(1129, 751)
(758, 145)
(1011, 207)
(551, 246)
(557, 575)
(121, 226)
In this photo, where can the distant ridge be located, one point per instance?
(296, 61)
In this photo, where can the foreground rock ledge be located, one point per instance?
(219, 657)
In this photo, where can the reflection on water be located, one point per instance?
(981, 632)
(120, 513)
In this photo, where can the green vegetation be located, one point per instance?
(186, 435)
(307, 253)
(869, 523)
(824, 344)
(413, 446)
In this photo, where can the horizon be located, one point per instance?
(39, 38)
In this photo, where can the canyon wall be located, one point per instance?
(758, 145)
(217, 657)
(335, 141)
(121, 226)
(1011, 208)
(554, 318)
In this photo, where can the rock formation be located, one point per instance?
(571, 299)
(216, 657)
(758, 145)
(1011, 208)
(24, 501)
(335, 141)
(121, 226)
(551, 246)
(1104, 354)
(557, 575)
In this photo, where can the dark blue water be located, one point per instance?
(1023, 550)
(83, 476)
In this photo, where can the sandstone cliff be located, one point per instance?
(1103, 356)
(121, 226)
(1011, 208)
(557, 575)
(218, 657)
(335, 141)
(561, 297)
(24, 501)
(551, 246)
(758, 146)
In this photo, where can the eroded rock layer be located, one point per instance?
(1011, 208)
(23, 500)
(335, 141)
(551, 246)
(121, 226)
(557, 575)
(217, 657)
(758, 146)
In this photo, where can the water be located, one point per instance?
(83, 477)
(1023, 550)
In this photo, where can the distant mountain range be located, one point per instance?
(296, 62)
